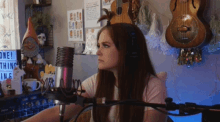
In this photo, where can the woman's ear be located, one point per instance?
(162, 76)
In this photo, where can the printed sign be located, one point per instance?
(8, 61)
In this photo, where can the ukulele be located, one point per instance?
(187, 28)
(122, 12)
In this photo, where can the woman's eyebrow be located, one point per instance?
(105, 42)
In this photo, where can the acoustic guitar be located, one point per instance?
(187, 28)
(122, 12)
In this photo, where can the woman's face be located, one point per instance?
(107, 52)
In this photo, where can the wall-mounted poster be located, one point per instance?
(92, 13)
(91, 41)
(107, 4)
(75, 25)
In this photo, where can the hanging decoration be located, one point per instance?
(189, 56)
(154, 29)
(149, 26)
(214, 44)
(144, 18)
(135, 9)
(154, 35)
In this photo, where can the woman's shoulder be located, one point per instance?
(159, 78)
(155, 91)
(90, 85)
(91, 78)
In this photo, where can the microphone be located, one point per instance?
(64, 68)
(64, 71)
(63, 92)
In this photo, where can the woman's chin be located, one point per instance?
(101, 68)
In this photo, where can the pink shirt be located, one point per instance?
(154, 93)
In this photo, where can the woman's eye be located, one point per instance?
(106, 46)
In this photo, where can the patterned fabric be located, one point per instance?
(154, 93)
(9, 25)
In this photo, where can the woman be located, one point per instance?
(123, 77)
(124, 72)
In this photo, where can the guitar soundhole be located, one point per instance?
(184, 29)
(119, 10)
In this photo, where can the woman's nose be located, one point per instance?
(98, 52)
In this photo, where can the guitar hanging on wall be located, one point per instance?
(187, 28)
(122, 12)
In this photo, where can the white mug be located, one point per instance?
(32, 83)
(46, 78)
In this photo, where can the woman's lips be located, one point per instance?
(100, 60)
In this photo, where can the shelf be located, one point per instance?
(20, 95)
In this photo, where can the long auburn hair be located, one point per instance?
(131, 81)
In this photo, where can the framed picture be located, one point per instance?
(92, 13)
(91, 41)
(75, 25)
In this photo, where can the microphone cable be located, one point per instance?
(81, 112)
(137, 103)
(100, 105)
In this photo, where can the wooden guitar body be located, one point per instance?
(123, 14)
(187, 29)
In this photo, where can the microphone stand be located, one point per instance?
(62, 110)
(190, 108)
(63, 98)
(186, 109)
